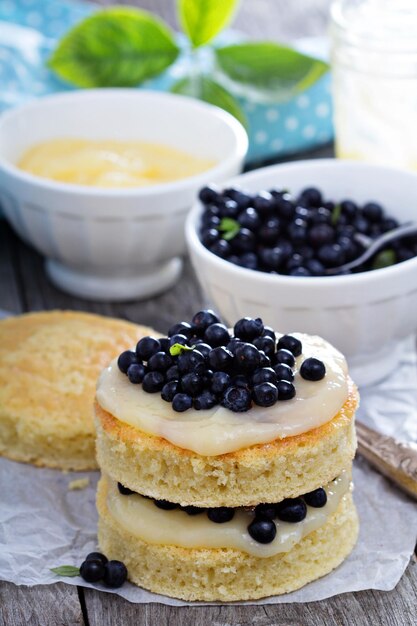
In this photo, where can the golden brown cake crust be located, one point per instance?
(262, 473)
(226, 574)
(49, 364)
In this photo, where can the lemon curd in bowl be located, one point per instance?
(110, 163)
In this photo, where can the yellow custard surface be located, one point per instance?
(109, 163)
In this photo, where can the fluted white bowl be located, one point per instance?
(112, 244)
(368, 315)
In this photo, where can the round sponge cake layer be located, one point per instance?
(49, 364)
(226, 574)
(268, 472)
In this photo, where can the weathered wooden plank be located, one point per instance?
(10, 295)
(46, 605)
(366, 608)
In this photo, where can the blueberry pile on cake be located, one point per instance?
(226, 458)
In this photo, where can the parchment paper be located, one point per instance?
(44, 525)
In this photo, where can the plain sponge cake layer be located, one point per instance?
(226, 574)
(49, 363)
(263, 473)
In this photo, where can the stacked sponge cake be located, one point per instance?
(246, 491)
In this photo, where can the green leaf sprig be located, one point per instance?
(124, 46)
(66, 570)
(228, 227)
(177, 348)
(385, 258)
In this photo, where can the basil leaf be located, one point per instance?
(229, 227)
(384, 259)
(208, 90)
(116, 47)
(66, 570)
(202, 20)
(270, 66)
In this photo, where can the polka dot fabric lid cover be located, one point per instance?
(29, 30)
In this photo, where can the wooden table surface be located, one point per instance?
(24, 287)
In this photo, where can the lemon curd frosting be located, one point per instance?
(219, 430)
(110, 163)
(226, 460)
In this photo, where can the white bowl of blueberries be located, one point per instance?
(271, 241)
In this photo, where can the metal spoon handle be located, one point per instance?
(374, 246)
(396, 460)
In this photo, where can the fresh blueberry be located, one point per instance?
(272, 258)
(264, 203)
(292, 510)
(233, 343)
(209, 236)
(182, 402)
(262, 530)
(286, 390)
(173, 373)
(182, 328)
(189, 361)
(316, 498)
(169, 390)
(92, 570)
(266, 511)
(136, 373)
(283, 372)
(361, 224)
(247, 356)
(349, 208)
(160, 362)
(248, 329)
(244, 241)
(265, 394)
(240, 380)
(299, 271)
(331, 255)
(291, 343)
(204, 348)
(115, 574)
(205, 401)
(237, 399)
(269, 332)
(297, 231)
(208, 194)
(264, 375)
(210, 221)
(221, 514)
(164, 343)
(146, 347)
(265, 343)
(178, 338)
(315, 267)
(220, 382)
(312, 196)
(230, 208)
(192, 384)
(285, 207)
(321, 234)
(269, 231)
(220, 358)
(193, 510)
(373, 212)
(389, 224)
(295, 260)
(284, 356)
(248, 260)
(125, 491)
(242, 199)
(97, 556)
(165, 505)
(312, 369)
(265, 361)
(203, 319)
(125, 360)
(221, 248)
(250, 219)
(216, 335)
(323, 215)
(153, 382)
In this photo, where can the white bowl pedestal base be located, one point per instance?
(118, 287)
(369, 369)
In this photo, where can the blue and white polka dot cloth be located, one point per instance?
(29, 30)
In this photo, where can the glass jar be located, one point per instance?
(374, 73)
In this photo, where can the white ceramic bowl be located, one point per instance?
(366, 315)
(112, 244)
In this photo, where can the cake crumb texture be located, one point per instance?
(49, 364)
